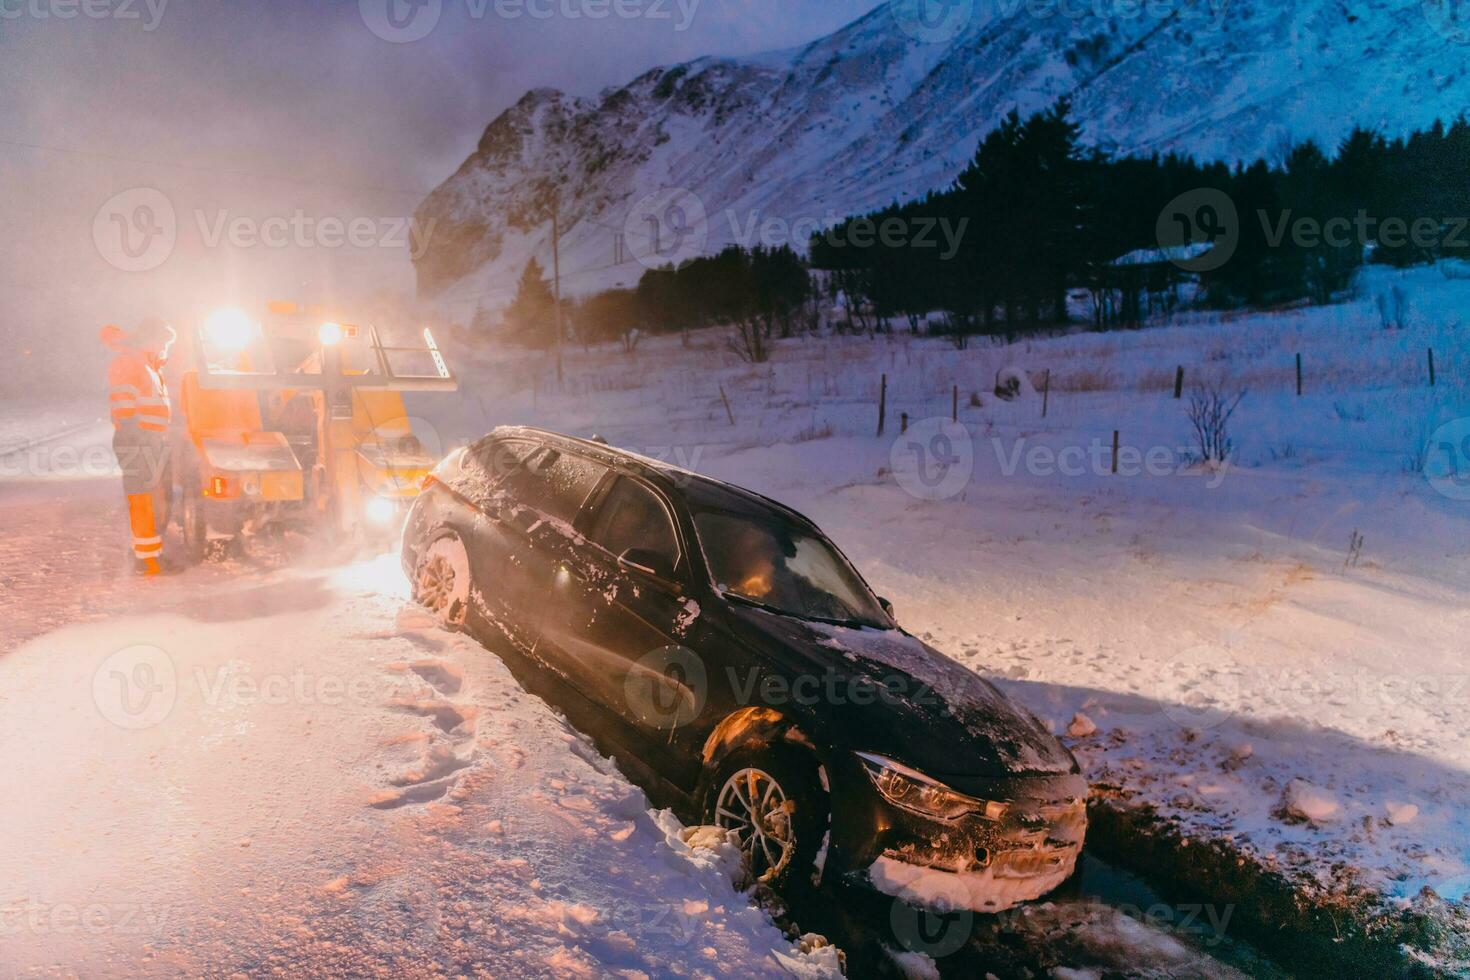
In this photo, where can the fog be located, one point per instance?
(163, 158)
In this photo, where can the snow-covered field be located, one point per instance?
(279, 768)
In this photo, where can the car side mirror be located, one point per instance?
(888, 608)
(649, 562)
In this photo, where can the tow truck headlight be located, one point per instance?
(380, 510)
(914, 791)
(229, 330)
(330, 334)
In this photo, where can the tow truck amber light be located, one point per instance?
(218, 487)
(429, 481)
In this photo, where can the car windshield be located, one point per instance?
(777, 564)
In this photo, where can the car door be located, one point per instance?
(527, 497)
(618, 617)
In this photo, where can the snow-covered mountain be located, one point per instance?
(893, 105)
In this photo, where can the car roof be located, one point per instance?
(698, 490)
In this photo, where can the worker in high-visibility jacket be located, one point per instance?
(141, 413)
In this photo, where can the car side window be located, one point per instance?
(487, 464)
(632, 516)
(555, 483)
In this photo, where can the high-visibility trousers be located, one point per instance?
(146, 467)
(147, 539)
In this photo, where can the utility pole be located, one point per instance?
(556, 280)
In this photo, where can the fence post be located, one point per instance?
(1115, 452)
(1299, 376)
(903, 422)
(954, 410)
(728, 414)
(1431, 367)
(1179, 383)
(882, 403)
(1045, 392)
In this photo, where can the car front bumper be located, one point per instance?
(970, 863)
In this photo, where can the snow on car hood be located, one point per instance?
(941, 717)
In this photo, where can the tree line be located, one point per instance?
(1036, 218)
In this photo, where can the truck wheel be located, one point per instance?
(192, 518)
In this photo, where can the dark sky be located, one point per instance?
(249, 128)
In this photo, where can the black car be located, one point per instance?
(732, 656)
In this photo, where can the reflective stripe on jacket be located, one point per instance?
(135, 391)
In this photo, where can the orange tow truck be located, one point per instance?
(297, 419)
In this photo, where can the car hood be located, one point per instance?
(932, 713)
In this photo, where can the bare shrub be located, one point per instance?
(1210, 411)
(749, 340)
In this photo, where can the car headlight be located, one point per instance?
(912, 790)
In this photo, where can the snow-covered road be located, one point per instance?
(290, 771)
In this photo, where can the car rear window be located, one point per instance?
(555, 483)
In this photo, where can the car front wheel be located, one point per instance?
(441, 581)
(772, 798)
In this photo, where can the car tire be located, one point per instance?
(442, 583)
(797, 781)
